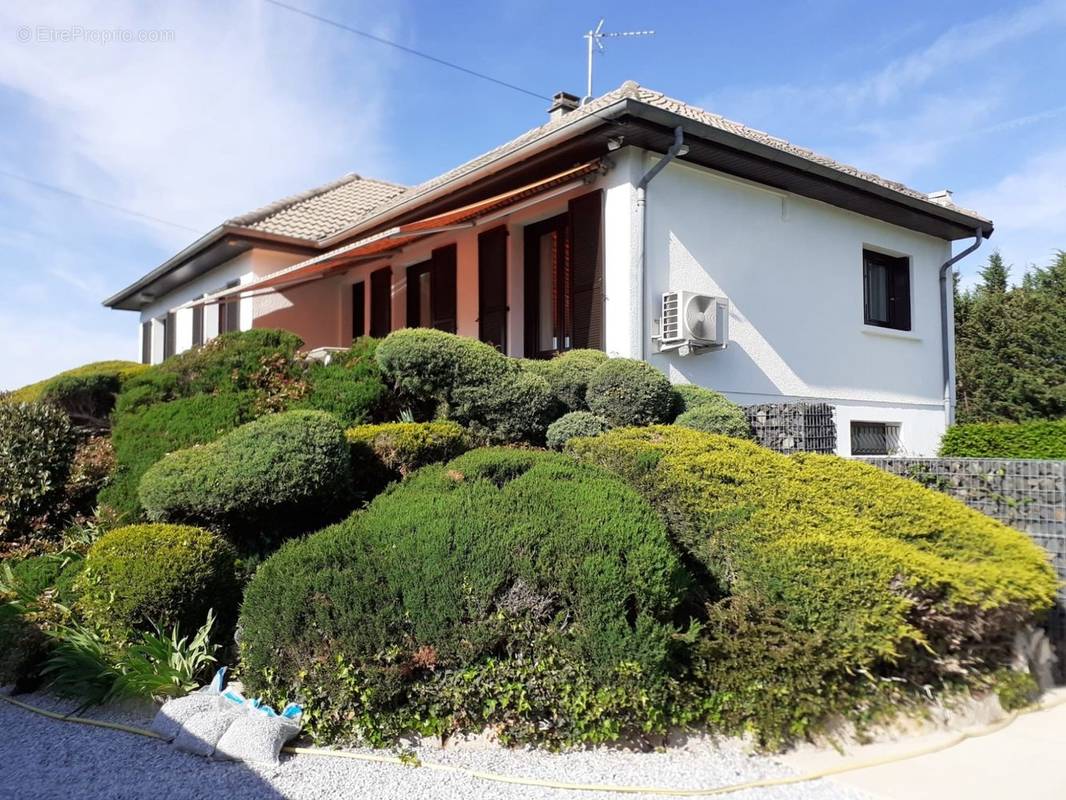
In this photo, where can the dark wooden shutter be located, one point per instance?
(492, 287)
(381, 302)
(899, 289)
(414, 296)
(358, 310)
(197, 326)
(146, 342)
(586, 254)
(170, 333)
(442, 293)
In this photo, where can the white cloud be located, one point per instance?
(246, 104)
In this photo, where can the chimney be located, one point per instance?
(562, 103)
(942, 197)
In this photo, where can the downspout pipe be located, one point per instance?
(945, 344)
(641, 209)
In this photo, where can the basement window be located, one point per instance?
(886, 289)
(874, 438)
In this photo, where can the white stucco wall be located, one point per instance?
(245, 267)
(792, 270)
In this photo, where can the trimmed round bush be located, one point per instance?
(350, 387)
(576, 423)
(498, 551)
(141, 437)
(689, 396)
(165, 575)
(392, 450)
(278, 476)
(1034, 439)
(37, 445)
(568, 375)
(726, 418)
(628, 392)
(441, 375)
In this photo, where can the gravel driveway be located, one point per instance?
(44, 758)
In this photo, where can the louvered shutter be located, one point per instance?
(381, 302)
(492, 287)
(586, 253)
(442, 294)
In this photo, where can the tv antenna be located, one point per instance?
(595, 41)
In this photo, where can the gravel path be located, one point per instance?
(44, 758)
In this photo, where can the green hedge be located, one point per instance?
(37, 446)
(1036, 439)
(576, 423)
(725, 418)
(440, 375)
(568, 375)
(280, 475)
(628, 392)
(118, 370)
(144, 575)
(375, 621)
(392, 450)
(143, 436)
(875, 574)
(350, 387)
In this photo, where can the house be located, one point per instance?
(832, 282)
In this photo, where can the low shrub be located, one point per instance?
(140, 576)
(568, 375)
(628, 392)
(37, 445)
(1035, 439)
(576, 423)
(118, 370)
(440, 375)
(141, 437)
(725, 418)
(473, 571)
(689, 396)
(277, 476)
(350, 387)
(882, 576)
(392, 450)
(90, 470)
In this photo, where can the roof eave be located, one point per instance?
(642, 110)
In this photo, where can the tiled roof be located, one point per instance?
(630, 90)
(320, 212)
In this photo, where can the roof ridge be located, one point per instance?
(270, 209)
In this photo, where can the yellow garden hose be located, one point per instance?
(590, 787)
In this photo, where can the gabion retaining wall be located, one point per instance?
(794, 427)
(1027, 495)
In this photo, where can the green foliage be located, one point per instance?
(231, 362)
(689, 396)
(37, 445)
(886, 576)
(143, 436)
(141, 576)
(122, 370)
(90, 666)
(498, 551)
(568, 375)
(350, 387)
(576, 423)
(86, 399)
(628, 392)
(438, 374)
(277, 476)
(1009, 342)
(1015, 690)
(1034, 439)
(392, 450)
(723, 417)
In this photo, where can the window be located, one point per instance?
(146, 342)
(358, 310)
(874, 438)
(381, 302)
(431, 291)
(886, 290)
(229, 311)
(492, 287)
(198, 324)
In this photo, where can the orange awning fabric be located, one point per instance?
(378, 245)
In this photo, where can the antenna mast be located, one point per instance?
(595, 41)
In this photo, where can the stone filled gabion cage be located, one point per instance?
(794, 427)
(1028, 495)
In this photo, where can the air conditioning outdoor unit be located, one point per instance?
(693, 323)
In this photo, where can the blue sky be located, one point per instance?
(248, 102)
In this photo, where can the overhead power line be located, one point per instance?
(409, 50)
(103, 203)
